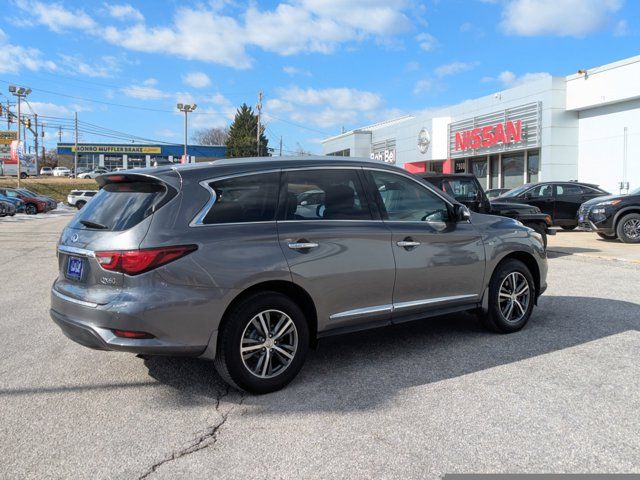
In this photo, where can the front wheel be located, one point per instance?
(628, 228)
(262, 343)
(512, 293)
(569, 227)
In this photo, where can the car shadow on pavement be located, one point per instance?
(364, 370)
(555, 252)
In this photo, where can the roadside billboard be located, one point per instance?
(16, 154)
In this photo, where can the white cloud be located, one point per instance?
(51, 109)
(166, 134)
(324, 107)
(621, 29)
(14, 58)
(427, 42)
(147, 90)
(197, 80)
(293, 71)
(203, 32)
(575, 18)
(454, 68)
(55, 16)
(125, 12)
(107, 66)
(509, 79)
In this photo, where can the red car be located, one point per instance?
(33, 204)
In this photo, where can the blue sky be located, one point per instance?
(322, 64)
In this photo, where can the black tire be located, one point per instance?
(229, 361)
(23, 175)
(80, 204)
(606, 236)
(31, 209)
(569, 227)
(494, 319)
(628, 228)
(541, 230)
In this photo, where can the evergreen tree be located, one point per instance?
(242, 135)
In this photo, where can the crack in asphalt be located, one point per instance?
(205, 440)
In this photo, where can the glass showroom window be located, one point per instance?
(512, 170)
(533, 166)
(495, 171)
(479, 169)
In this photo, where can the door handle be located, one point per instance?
(302, 245)
(408, 243)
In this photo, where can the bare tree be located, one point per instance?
(301, 152)
(211, 136)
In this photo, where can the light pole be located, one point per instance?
(186, 108)
(19, 92)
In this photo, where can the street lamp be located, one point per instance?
(186, 108)
(19, 92)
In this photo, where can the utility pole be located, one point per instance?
(35, 138)
(186, 108)
(60, 134)
(75, 152)
(259, 108)
(8, 115)
(42, 136)
(280, 145)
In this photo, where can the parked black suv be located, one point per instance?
(466, 189)
(561, 200)
(613, 216)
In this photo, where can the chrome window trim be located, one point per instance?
(76, 251)
(390, 308)
(73, 300)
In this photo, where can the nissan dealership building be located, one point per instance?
(582, 127)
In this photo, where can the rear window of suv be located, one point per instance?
(119, 206)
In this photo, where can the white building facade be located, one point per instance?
(582, 127)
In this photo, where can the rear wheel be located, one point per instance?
(31, 209)
(569, 227)
(23, 175)
(606, 236)
(628, 228)
(262, 343)
(512, 293)
(80, 204)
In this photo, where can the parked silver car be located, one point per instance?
(227, 261)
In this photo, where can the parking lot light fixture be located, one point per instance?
(186, 108)
(19, 93)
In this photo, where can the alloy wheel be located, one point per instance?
(514, 297)
(269, 343)
(631, 228)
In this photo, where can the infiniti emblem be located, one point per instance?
(74, 238)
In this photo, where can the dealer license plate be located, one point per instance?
(75, 266)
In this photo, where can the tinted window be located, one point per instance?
(541, 191)
(120, 206)
(325, 195)
(406, 200)
(463, 190)
(89, 194)
(566, 190)
(249, 198)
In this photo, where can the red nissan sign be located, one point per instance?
(509, 132)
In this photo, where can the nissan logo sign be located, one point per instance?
(424, 140)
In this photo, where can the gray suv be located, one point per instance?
(249, 262)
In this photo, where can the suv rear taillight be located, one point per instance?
(135, 262)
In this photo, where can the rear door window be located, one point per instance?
(325, 194)
(248, 198)
(119, 206)
(463, 190)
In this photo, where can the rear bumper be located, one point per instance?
(177, 328)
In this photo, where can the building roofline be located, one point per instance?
(370, 128)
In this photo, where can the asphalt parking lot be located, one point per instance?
(418, 400)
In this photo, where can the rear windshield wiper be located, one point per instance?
(90, 224)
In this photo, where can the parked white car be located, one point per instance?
(46, 171)
(61, 172)
(93, 173)
(79, 198)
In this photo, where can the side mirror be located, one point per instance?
(526, 196)
(461, 213)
